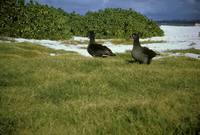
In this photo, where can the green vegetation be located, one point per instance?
(41, 94)
(33, 21)
(114, 23)
(192, 50)
(43, 22)
(130, 41)
(113, 41)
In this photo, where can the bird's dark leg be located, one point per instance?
(146, 60)
(140, 62)
(149, 61)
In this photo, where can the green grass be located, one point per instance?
(192, 50)
(113, 41)
(128, 41)
(71, 94)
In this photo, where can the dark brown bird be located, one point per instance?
(143, 55)
(97, 50)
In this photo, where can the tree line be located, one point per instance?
(33, 20)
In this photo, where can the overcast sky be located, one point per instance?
(155, 9)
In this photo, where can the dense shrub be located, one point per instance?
(37, 21)
(114, 23)
(34, 21)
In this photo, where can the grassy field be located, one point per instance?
(130, 41)
(73, 95)
(192, 50)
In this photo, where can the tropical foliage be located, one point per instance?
(33, 21)
(37, 21)
(114, 23)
